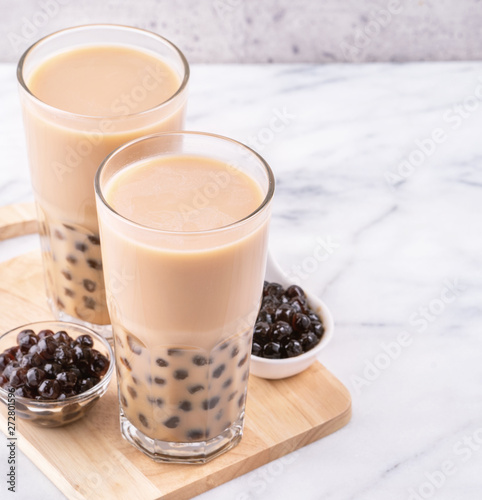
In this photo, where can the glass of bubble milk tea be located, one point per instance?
(85, 91)
(184, 230)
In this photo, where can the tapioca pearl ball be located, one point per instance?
(132, 392)
(219, 371)
(241, 400)
(209, 404)
(274, 289)
(265, 317)
(280, 331)
(180, 374)
(17, 377)
(34, 377)
(49, 389)
(261, 333)
(256, 349)
(301, 323)
(84, 341)
(62, 337)
(195, 388)
(199, 360)
(52, 369)
(67, 379)
(47, 347)
(270, 305)
(172, 422)
(25, 392)
(26, 339)
(284, 312)
(185, 406)
(317, 328)
(9, 368)
(295, 291)
(243, 360)
(272, 350)
(159, 381)
(293, 348)
(227, 383)
(195, 434)
(174, 351)
(126, 363)
(94, 264)
(64, 355)
(89, 285)
(80, 246)
(99, 364)
(123, 400)
(4, 360)
(143, 420)
(297, 305)
(161, 362)
(234, 351)
(308, 341)
(232, 395)
(88, 383)
(94, 239)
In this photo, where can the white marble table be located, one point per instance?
(379, 211)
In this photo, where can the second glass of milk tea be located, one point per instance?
(85, 91)
(184, 221)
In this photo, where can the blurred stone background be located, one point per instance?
(260, 31)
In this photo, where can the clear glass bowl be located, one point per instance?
(55, 413)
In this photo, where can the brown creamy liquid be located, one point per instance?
(183, 315)
(108, 85)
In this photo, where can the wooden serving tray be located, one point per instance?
(89, 459)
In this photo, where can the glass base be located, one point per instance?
(104, 330)
(196, 452)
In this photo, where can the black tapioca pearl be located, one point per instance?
(126, 363)
(119, 340)
(72, 259)
(209, 404)
(89, 285)
(160, 381)
(241, 400)
(195, 388)
(124, 401)
(172, 423)
(223, 346)
(219, 414)
(195, 434)
(174, 352)
(133, 345)
(69, 292)
(232, 395)
(60, 304)
(243, 360)
(95, 240)
(59, 235)
(132, 392)
(219, 371)
(69, 227)
(245, 376)
(180, 374)
(199, 360)
(81, 247)
(136, 382)
(227, 383)
(185, 406)
(66, 274)
(161, 362)
(143, 420)
(89, 302)
(234, 351)
(94, 264)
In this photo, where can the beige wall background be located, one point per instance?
(260, 31)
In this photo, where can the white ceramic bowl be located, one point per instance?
(282, 368)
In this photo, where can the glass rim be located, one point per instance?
(266, 200)
(179, 91)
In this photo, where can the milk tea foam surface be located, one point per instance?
(105, 86)
(183, 319)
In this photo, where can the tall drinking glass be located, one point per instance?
(184, 228)
(84, 92)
